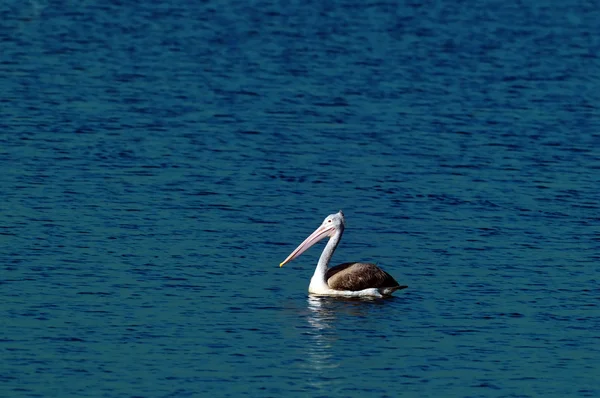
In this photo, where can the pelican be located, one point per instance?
(348, 279)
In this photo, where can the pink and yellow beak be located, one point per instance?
(322, 232)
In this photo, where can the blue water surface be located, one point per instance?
(158, 160)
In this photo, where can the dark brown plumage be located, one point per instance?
(359, 276)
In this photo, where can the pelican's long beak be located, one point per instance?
(322, 232)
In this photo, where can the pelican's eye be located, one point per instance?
(328, 220)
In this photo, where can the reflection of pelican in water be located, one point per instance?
(326, 341)
(319, 317)
(334, 323)
(320, 350)
(323, 313)
(348, 279)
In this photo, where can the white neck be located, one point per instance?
(322, 265)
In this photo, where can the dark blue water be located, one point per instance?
(159, 160)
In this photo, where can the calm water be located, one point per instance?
(158, 161)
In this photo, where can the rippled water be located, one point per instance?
(160, 160)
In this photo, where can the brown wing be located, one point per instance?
(358, 276)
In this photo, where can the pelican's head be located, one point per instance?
(337, 220)
(332, 224)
